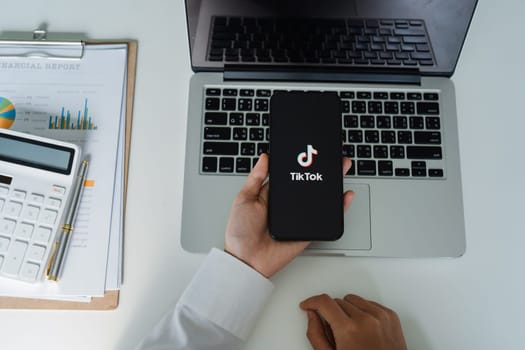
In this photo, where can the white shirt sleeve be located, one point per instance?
(217, 310)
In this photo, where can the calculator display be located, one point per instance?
(36, 154)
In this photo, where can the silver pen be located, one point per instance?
(61, 245)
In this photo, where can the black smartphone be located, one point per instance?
(306, 179)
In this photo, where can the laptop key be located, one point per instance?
(350, 121)
(404, 137)
(367, 121)
(221, 148)
(209, 164)
(213, 92)
(402, 172)
(240, 133)
(213, 103)
(388, 136)
(427, 137)
(366, 167)
(435, 172)
(397, 152)
(226, 165)
(256, 134)
(248, 148)
(391, 107)
(364, 151)
(229, 104)
(242, 165)
(213, 133)
(400, 123)
(380, 152)
(371, 136)
(229, 92)
(215, 118)
(261, 105)
(421, 152)
(427, 107)
(416, 123)
(236, 118)
(430, 96)
(264, 93)
(247, 93)
(253, 119)
(349, 151)
(358, 107)
(383, 122)
(385, 168)
(432, 123)
(245, 104)
(419, 169)
(355, 136)
(263, 147)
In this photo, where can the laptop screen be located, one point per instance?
(427, 35)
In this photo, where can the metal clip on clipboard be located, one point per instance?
(40, 47)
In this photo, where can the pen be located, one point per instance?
(61, 245)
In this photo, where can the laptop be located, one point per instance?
(390, 62)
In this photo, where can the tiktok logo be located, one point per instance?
(305, 159)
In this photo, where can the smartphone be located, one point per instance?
(306, 178)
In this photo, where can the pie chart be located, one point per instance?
(7, 113)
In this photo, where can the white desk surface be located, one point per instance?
(474, 302)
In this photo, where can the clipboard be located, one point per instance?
(75, 51)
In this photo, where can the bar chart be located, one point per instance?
(66, 121)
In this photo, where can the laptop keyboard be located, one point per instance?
(360, 42)
(386, 133)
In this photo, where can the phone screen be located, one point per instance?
(306, 180)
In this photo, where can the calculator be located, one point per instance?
(36, 177)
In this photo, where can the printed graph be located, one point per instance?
(7, 113)
(82, 121)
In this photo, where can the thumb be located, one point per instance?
(315, 332)
(255, 180)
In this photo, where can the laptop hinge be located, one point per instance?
(239, 72)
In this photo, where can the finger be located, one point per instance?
(350, 309)
(327, 308)
(365, 305)
(347, 164)
(255, 180)
(348, 197)
(263, 195)
(316, 333)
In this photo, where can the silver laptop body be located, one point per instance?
(411, 213)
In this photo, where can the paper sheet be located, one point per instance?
(78, 101)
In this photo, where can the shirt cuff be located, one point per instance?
(228, 292)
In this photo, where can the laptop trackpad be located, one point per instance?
(356, 234)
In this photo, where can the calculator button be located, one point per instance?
(15, 258)
(42, 235)
(7, 226)
(1, 261)
(58, 190)
(18, 194)
(48, 216)
(4, 244)
(36, 252)
(4, 191)
(54, 202)
(31, 212)
(1, 204)
(36, 198)
(13, 208)
(24, 230)
(29, 271)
